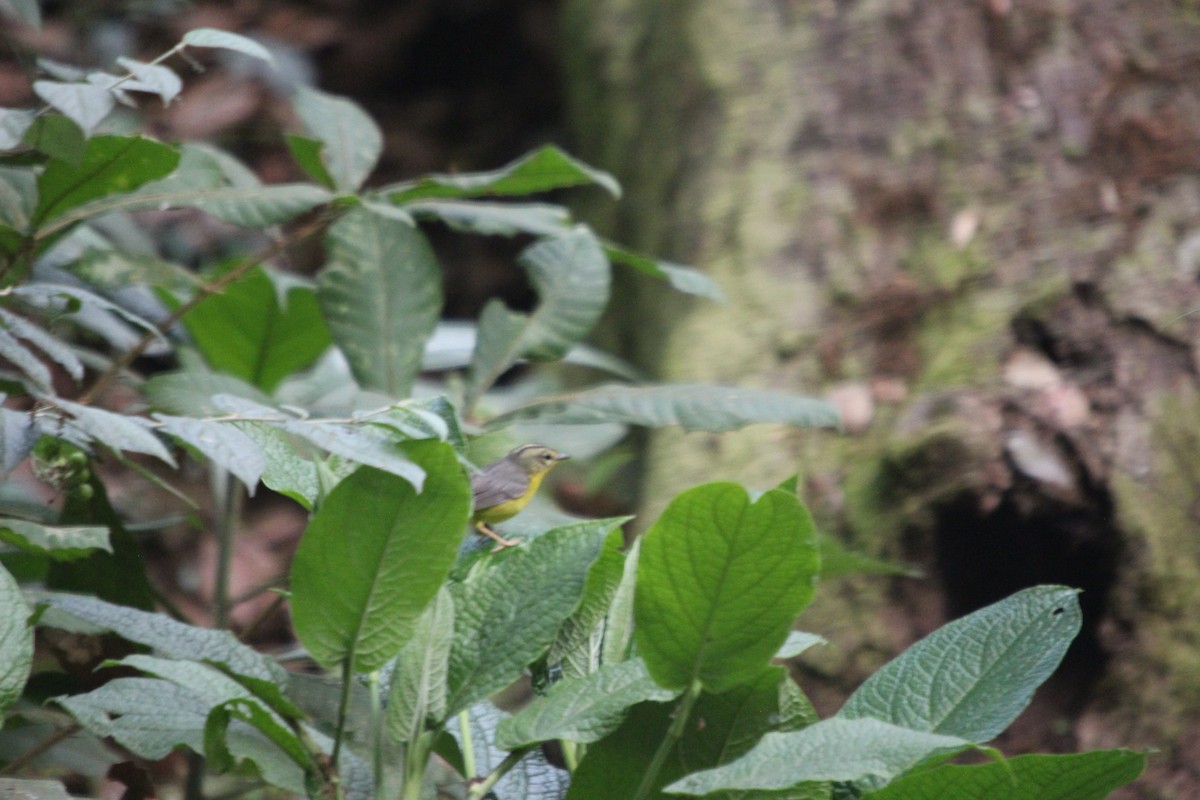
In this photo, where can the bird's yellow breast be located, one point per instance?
(509, 508)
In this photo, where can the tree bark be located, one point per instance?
(976, 228)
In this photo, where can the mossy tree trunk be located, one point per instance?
(977, 227)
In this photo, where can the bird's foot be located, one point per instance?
(501, 542)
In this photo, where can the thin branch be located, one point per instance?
(215, 287)
(39, 748)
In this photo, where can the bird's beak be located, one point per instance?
(562, 457)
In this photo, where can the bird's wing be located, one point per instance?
(497, 485)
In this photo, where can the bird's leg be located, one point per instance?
(486, 530)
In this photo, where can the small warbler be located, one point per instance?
(504, 487)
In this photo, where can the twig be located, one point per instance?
(479, 790)
(220, 284)
(23, 760)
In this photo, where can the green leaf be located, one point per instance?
(571, 276)
(307, 153)
(226, 699)
(110, 165)
(683, 279)
(65, 543)
(508, 612)
(1075, 776)
(18, 196)
(540, 171)
(374, 555)
(191, 392)
(352, 140)
(577, 646)
(147, 716)
(286, 471)
(121, 432)
(494, 219)
(381, 295)
(17, 437)
(720, 583)
(583, 709)
(253, 713)
(720, 728)
(250, 332)
(253, 207)
(973, 676)
(164, 635)
(837, 561)
(119, 576)
(418, 688)
(371, 445)
(16, 641)
(830, 750)
(113, 270)
(83, 103)
(14, 122)
(57, 137)
(618, 625)
(222, 443)
(694, 407)
(57, 298)
(152, 78)
(51, 345)
(151, 717)
(25, 360)
(211, 37)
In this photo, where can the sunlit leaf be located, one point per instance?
(110, 165)
(374, 555)
(720, 582)
(250, 332)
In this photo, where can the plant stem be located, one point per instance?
(571, 754)
(230, 502)
(416, 754)
(373, 683)
(479, 790)
(468, 749)
(674, 733)
(21, 761)
(343, 706)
